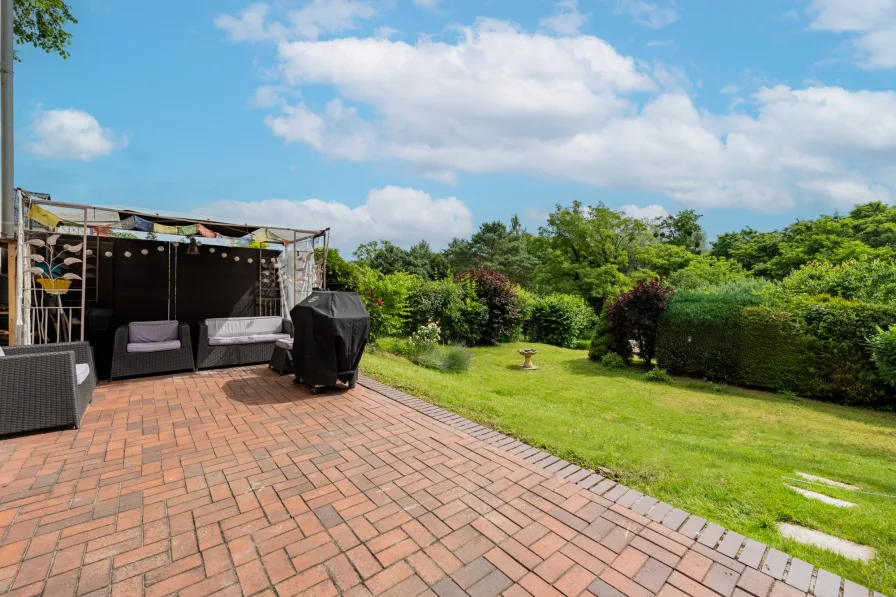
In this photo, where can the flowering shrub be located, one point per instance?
(387, 300)
(430, 333)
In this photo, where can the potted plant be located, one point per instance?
(47, 270)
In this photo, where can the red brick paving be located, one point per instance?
(237, 482)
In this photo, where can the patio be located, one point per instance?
(237, 482)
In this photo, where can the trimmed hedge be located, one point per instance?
(560, 319)
(728, 339)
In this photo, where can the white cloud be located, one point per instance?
(427, 4)
(648, 212)
(655, 16)
(870, 23)
(499, 99)
(316, 18)
(401, 215)
(71, 135)
(566, 20)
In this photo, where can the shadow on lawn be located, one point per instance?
(586, 367)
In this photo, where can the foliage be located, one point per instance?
(525, 302)
(42, 23)
(560, 319)
(582, 344)
(453, 306)
(496, 292)
(611, 360)
(683, 230)
(883, 351)
(636, 314)
(389, 258)
(341, 275)
(867, 233)
(450, 359)
(589, 251)
(605, 341)
(658, 375)
(496, 246)
(706, 271)
(843, 320)
(870, 280)
(387, 299)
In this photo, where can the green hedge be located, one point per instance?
(560, 319)
(725, 338)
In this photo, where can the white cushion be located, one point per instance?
(285, 343)
(268, 337)
(235, 327)
(1, 352)
(82, 370)
(152, 331)
(154, 346)
(220, 341)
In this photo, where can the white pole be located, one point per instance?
(7, 228)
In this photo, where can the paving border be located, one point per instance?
(709, 537)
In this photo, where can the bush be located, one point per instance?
(611, 360)
(843, 320)
(883, 351)
(525, 302)
(496, 292)
(451, 359)
(456, 359)
(341, 275)
(559, 320)
(454, 307)
(705, 272)
(426, 334)
(636, 314)
(605, 341)
(387, 299)
(582, 344)
(657, 375)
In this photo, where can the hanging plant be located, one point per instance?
(48, 271)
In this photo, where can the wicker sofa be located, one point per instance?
(231, 341)
(151, 347)
(45, 386)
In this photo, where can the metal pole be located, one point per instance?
(7, 229)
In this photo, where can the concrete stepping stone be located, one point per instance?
(812, 495)
(845, 548)
(824, 481)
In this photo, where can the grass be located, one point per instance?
(713, 450)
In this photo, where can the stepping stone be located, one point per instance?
(824, 481)
(822, 497)
(845, 548)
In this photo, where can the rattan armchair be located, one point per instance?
(129, 364)
(39, 386)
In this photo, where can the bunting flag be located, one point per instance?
(162, 229)
(42, 216)
(263, 235)
(135, 223)
(188, 230)
(205, 231)
(104, 230)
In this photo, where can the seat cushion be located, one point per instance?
(267, 338)
(82, 371)
(154, 346)
(152, 331)
(229, 341)
(236, 327)
(1, 352)
(285, 343)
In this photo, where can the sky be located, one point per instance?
(421, 119)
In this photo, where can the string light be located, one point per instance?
(127, 253)
(108, 253)
(223, 254)
(161, 248)
(237, 258)
(211, 250)
(145, 251)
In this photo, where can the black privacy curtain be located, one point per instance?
(331, 331)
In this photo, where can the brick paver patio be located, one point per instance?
(237, 482)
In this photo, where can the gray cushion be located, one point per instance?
(219, 341)
(152, 331)
(82, 370)
(235, 327)
(285, 343)
(154, 346)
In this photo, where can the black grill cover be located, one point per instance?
(331, 331)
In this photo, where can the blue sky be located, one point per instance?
(408, 119)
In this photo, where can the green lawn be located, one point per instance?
(715, 451)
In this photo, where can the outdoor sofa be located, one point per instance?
(151, 347)
(233, 341)
(45, 386)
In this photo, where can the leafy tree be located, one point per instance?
(389, 258)
(683, 230)
(341, 275)
(496, 292)
(706, 271)
(636, 314)
(499, 247)
(589, 251)
(873, 281)
(42, 23)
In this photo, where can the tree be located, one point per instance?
(341, 275)
(682, 229)
(42, 23)
(589, 251)
(499, 247)
(382, 256)
(636, 315)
